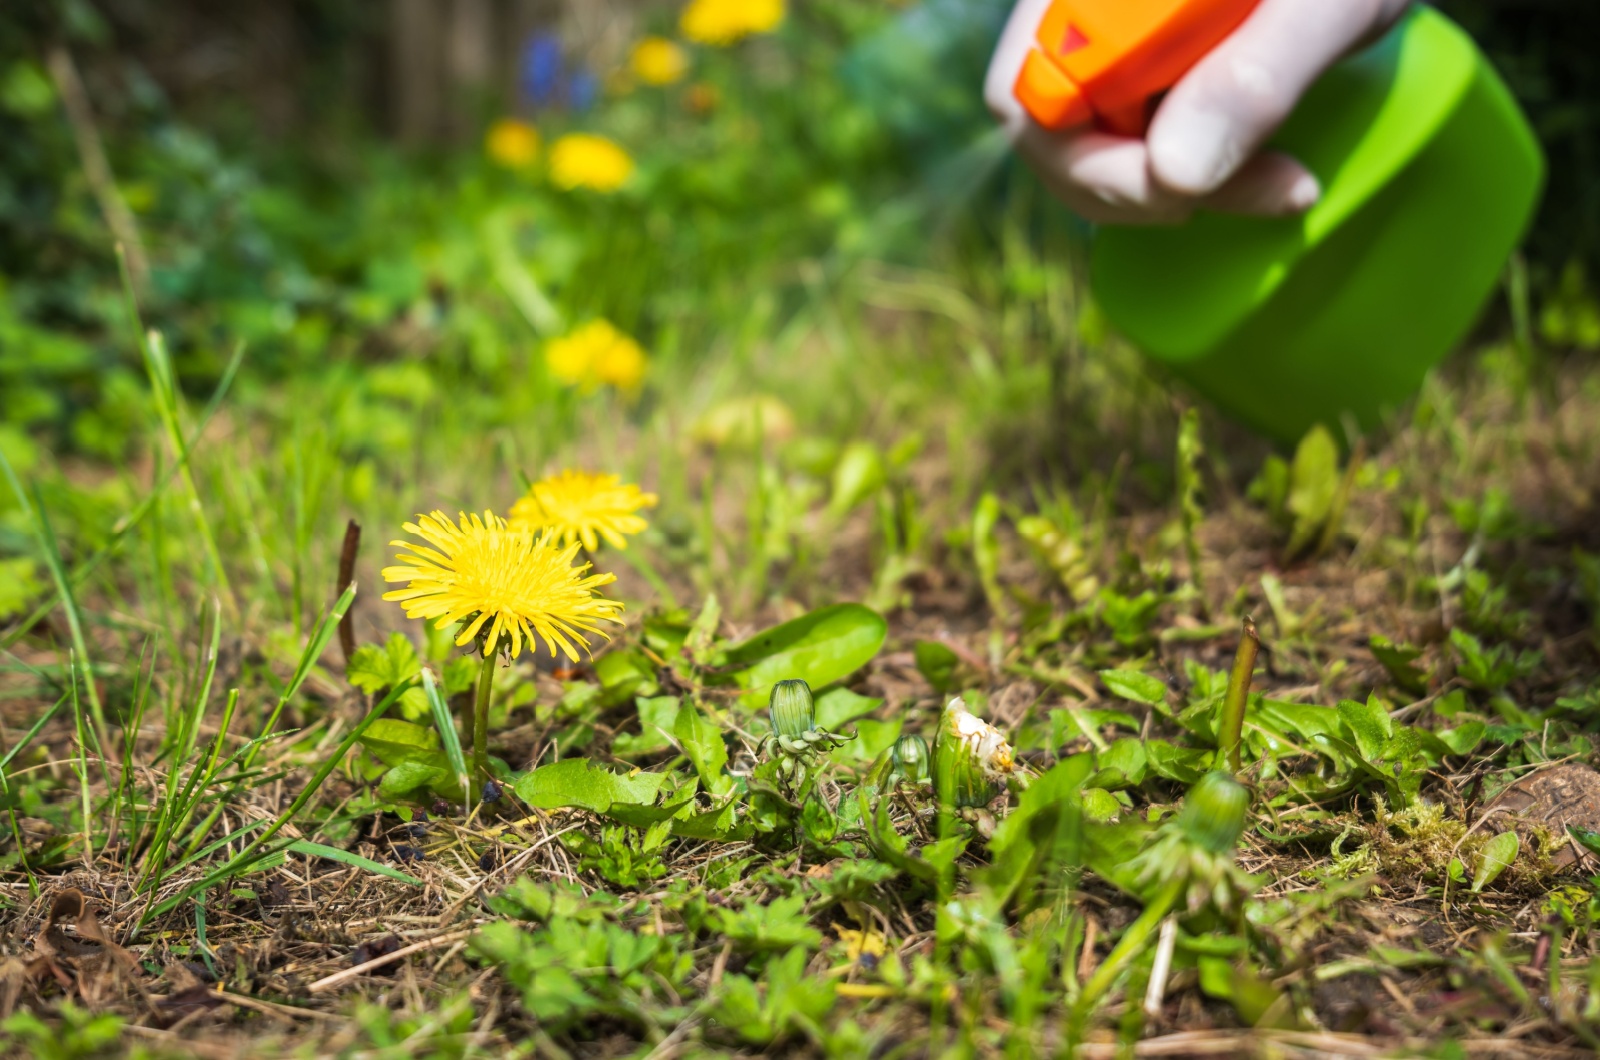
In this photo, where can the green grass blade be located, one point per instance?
(317, 850)
(130, 522)
(27, 737)
(235, 865)
(176, 807)
(321, 636)
(52, 557)
(5, 789)
(83, 767)
(212, 848)
(164, 391)
(445, 722)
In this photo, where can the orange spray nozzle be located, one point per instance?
(1107, 61)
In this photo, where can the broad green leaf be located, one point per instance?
(703, 633)
(317, 850)
(818, 648)
(1401, 662)
(1496, 856)
(840, 706)
(1042, 834)
(403, 778)
(582, 784)
(656, 717)
(702, 741)
(858, 475)
(1186, 765)
(1100, 805)
(1135, 686)
(624, 675)
(647, 815)
(722, 824)
(1121, 765)
(394, 741)
(1257, 1001)
(373, 669)
(1271, 488)
(1464, 738)
(458, 675)
(873, 737)
(1370, 724)
(1297, 721)
(1313, 485)
(818, 820)
(937, 663)
(776, 925)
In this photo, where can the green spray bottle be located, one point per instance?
(1430, 175)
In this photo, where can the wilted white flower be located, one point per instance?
(971, 758)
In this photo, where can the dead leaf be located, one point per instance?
(73, 947)
(193, 999)
(1552, 799)
(372, 949)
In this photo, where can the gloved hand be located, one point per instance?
(1202, 146)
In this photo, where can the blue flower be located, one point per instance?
(540, 70)
(583, 88)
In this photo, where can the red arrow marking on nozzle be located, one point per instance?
(1073, 41)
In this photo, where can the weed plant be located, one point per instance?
(961, 685)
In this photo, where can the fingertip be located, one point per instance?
(1304, 193)
(1194, 151)
(1269, 185)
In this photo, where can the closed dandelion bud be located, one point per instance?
(793, 712)
(1213, 814)
(971, 759)
(910, 756)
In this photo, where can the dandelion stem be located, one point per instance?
(1230, 724)
(480, 720)
(1132, 943)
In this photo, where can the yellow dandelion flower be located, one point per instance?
(621, 364)
(583, 160)
(596, 354)
(522, 585)
(723, 22)
(658, 61)
(511, 143)
(583, 507)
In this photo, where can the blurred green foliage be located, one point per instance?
(851, 135)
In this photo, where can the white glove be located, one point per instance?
(1201, 148)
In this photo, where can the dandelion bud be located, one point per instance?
(1213, 813)
(971, 758)
(910, 756)
(793, 712)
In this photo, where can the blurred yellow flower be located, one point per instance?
(512, 143)
(520, 584)
(658, 61)
(594, 355)
(583, 160)
(583, 507)
(724, 22)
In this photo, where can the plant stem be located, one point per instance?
(1132, 942)
(480, 720)
(1230, 724)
